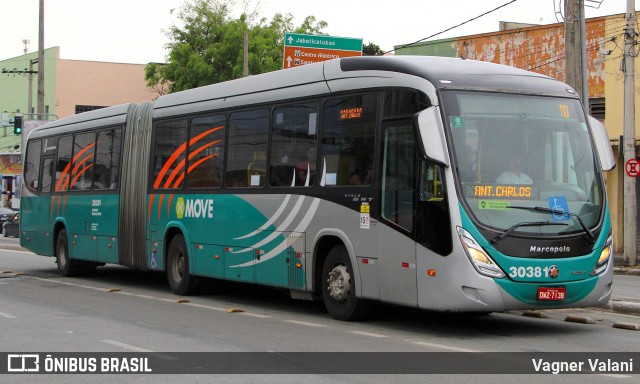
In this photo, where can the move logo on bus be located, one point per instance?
(196, 208)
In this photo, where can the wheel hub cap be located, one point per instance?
(339, 285)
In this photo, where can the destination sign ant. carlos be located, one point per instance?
(513, 191)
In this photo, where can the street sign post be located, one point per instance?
(632, 167)
(306, 49)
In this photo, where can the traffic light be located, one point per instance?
(17, 125)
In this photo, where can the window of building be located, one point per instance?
(597, 108)
(87, 108)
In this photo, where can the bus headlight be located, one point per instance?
(479, 258)
(603, 260)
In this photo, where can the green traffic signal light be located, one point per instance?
(17, 125)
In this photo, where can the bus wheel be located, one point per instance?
(180, 280)
(66, 266)
(338, 287)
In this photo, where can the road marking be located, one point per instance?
(126, 346)
(138, 349)
(7, 316)
(442, 346)
(368, 334)
(255, 315)
(206, 307)
(305, 323)
(615, 375)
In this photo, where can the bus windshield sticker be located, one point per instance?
(510, 191)
(559, 203)
(456, 122)
(493, 204)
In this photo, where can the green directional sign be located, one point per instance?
(323, 42)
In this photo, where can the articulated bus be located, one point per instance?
(353, 181)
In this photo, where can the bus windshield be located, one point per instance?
(524, 159)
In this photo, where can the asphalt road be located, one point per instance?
(120, 310)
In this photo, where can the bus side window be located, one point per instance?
(105, 173)
(32, 165)
(293, 145)
(348, 140)
(83, 161)
(206, 151)
(247, 148)
(170, 153)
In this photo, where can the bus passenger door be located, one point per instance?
(44, 215)
(397, 251)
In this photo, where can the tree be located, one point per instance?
(371, 49)
(208, 47)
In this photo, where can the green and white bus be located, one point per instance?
(354, 180)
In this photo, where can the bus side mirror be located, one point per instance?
(605, 153)
(430, 136)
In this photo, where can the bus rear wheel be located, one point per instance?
(338, 287)
(180, 280)
(66, 266)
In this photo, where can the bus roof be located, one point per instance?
(313, 79)
(108, 116)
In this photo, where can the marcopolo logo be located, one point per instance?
(196, 208)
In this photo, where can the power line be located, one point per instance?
(455, 26)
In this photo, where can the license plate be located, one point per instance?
(552, 294)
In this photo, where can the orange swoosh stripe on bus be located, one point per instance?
(169, 206)
(194, 153)
(160, 205)
(194, 165)
(168, 164)
(172, 159)
(53, 201)
(173, 175)
(79, 163)
(79, 174)
(203, 134)
(63, 175)
(58, 208)
(150, 207)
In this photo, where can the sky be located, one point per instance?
(132, 31)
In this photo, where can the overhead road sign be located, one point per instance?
(306, 49)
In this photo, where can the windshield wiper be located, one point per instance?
(523, 224)
(592, 239)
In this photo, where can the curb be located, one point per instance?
(626, 307)
(626, 271)
(11, 247)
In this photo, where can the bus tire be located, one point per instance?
(338, 287)
(66, 266)
(180, 280)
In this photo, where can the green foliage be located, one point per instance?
(208, 46)
(371, 49)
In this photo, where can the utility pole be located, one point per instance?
(41, 63)
(30, 74)
(628, 63)
(575, 43)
